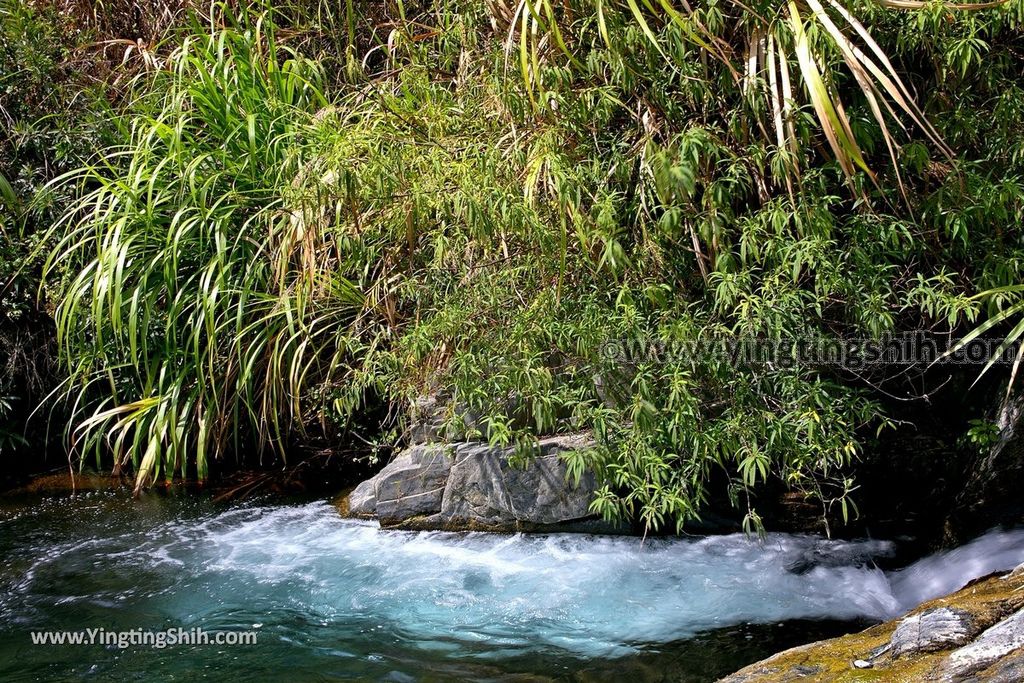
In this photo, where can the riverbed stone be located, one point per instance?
(427, 423)
(411, 484)
(487, 488)
(931, 630)
(362, 502)
(1008, 669)
(991, 646)
(476, 486)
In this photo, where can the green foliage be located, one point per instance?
(203, 282)
(1009, 308)
(51, 120)
(756, 47)
(29, 62)
(9, 438)
(981, 435)
(272, 246)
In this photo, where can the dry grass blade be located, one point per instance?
(888, 78)
(835, 126)
(1015, 335)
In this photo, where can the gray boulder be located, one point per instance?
(427, 420)
(486, 489)
(476, 486)
(992, 645)
(411, 484)
(1008, 669)
(362, 502)
(931, 630)
(974, 635)
(442, 417)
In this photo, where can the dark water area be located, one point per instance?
(329, 598)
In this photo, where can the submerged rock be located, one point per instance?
(477, 486)
(975, 634)
(838, 554)
(67, 482)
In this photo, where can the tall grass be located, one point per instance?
(202, 300)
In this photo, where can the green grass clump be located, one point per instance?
(201, 294)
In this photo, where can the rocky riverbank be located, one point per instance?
(975, 634)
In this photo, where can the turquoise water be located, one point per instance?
(333, 599)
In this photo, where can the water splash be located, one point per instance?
(948, 571)
(309, 576)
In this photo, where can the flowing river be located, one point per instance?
(332, 599)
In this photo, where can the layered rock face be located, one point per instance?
(476, 486)
(976, 634)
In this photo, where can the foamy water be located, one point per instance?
(305, 575)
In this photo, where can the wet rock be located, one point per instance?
(476, 486)
(931, 630)
(444, 418)
(990, 647)
(833, 554)
(486, 488)
(362, 502)
(411, 484)
(427, 423)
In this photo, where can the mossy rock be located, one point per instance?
(993, 605)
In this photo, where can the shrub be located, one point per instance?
(267, 251)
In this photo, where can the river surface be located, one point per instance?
(334, 599)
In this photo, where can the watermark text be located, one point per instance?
(171, 637)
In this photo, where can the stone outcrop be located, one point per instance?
(442, 418)
(476, 486)
(975, 634)
(412, 484)
(931, 630)
(990, 648)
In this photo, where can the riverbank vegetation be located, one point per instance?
(259, 224)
